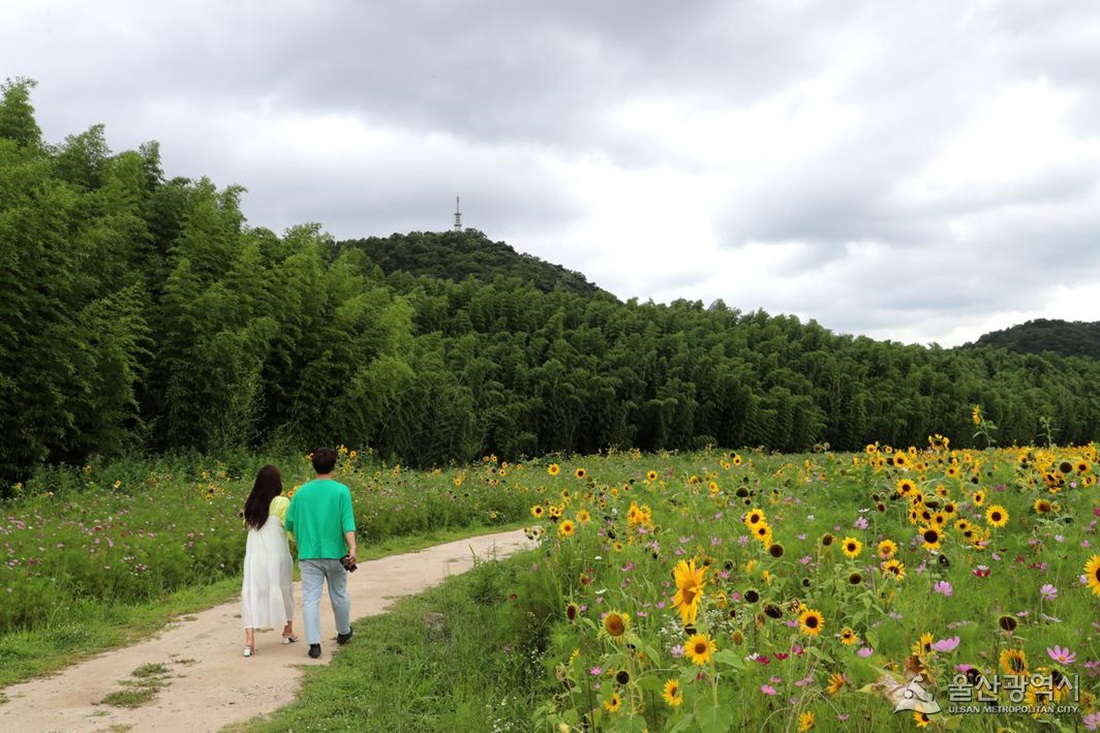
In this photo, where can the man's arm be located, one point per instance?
(349, 538)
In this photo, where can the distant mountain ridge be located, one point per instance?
(455, 255)
(1065, 338)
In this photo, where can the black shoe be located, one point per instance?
(314, 651)
(344, 638)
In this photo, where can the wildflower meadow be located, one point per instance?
(892, 589)
(76, 541)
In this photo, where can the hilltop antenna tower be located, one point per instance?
(458, 215)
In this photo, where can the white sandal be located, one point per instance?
(249, 651)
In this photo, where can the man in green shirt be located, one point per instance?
(321, 518)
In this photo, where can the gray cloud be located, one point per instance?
(878, 174)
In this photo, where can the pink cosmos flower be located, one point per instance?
(943, 588)
(1060, 655)
(767, 689)
(1048, 592)
(946, 645)
(865, 652)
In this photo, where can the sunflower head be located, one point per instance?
(615, 624)
(996, 515)
(811, 622)
(699, 648)
(1092, 574)
(673, 694)
(1013, 661)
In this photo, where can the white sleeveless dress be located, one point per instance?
(267, 592)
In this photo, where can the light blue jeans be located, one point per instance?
(314, 575)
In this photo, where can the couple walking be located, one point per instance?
(319, 518)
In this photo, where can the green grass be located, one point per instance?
(146, 681)
(445, 660)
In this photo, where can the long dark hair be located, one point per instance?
(269, 484)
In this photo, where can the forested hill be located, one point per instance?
(456, 255)
(1065, 338)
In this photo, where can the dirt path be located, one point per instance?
(209, 683)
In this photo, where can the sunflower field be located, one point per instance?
(720, 591)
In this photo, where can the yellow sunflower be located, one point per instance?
(923, 645)
(673, 694)
(1092, 574)
(537, 511)
(553, 469)
(849, 637)
(651, 476)
(566, 528)
(613, 705)
(699, 649)
(615, 624)
(996, 515)
(931, 537)
(580, 473)
(689, 589)
(805, 721)
(811, 622)
(755, 517)
(851, 547)
(836, 681)
(583, 516)
(1013, 661)
(894, 568)
(978, 497)
(887, 549)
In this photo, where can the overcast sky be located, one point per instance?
(921, 172)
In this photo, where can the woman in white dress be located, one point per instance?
(267, 595)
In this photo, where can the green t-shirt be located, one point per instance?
(319, 514)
